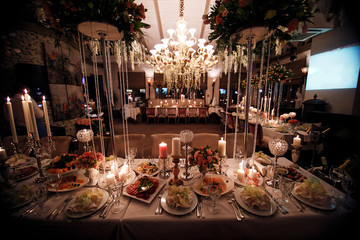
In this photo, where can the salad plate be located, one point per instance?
(180, 210)
(200, 185)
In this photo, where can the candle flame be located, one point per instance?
(44, 97)
(8, 99)
(25, 91)
(23, 98)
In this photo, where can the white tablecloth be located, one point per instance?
(131, 112)
(138, 221)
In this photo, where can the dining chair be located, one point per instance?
(222, 118)
(161, 114)
(261, 141)
(230, 122)
(135, 140)
(156, 139)
(171, 114)
(203, 114)
(182, 114)
(192, 114)
(150, 114)
(230, 137)
(22, 139)
(62, 144)
(203, 139)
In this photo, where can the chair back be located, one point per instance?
(230, 121)
(192, 112)
(259, 133)
(203, 139)
(202, 112)
(156, 139)
(182, 112)
(239, 144)
(135, 140)
(150, 112)
(62, 144)
(161, 112)
(171, 111)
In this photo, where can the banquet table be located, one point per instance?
(131, 112)
(138, 221)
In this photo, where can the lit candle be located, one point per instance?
(176, 146)
(110, 178)
(252, 173)
(11, 120)
(26, 115)
(240, 174)
(33, 119)
(297, 141)
(272, 113)
(46, 115)
(222, 147)
(163, 150)
(2, 154)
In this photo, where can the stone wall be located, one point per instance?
(26, 46)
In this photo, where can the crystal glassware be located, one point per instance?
(38, 194)
(85, 136)
(278, 148)
(335, 175)
(186, 137)
(116, 190)
(214, 191)
(285, 186)
(54, 181)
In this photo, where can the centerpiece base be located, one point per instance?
(258, 34)
(95, 29)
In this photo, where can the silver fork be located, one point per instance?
(234, 208)
(66, 201)
(242, 215)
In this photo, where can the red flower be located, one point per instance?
(293, 24)
(224, 13)
(218, 19)
(142, 10)
(242, 3)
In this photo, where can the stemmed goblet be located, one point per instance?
(214, 191)
(132, 155)
(38, 194)
(54, 181)
(285, 186)
(116, 191)
(335, 175)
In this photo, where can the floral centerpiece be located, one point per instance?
(65, 15)
(279, 73)
(228, 17)
(294, 122)
(89, 160)
(204, 158)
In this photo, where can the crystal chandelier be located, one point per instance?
(182, 66)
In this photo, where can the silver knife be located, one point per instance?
(198, 210)
(201, 208)
(296, 202)
(282, 209)
(105, 206)
(107, 210)
(30, 210)
(63, 207)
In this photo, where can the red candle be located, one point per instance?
(163, 150)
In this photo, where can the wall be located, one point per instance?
(341, 101)
(27, 46)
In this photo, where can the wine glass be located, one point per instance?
(116, 191)
(54, 181)
(214, 191)
(132, 154)
(285, 186)
(335, 175)
(38, 194)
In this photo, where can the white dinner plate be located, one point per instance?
(326, 206)
(246, 182)
(84, 214)
(178, 211)
(152, 196)
(140, 173)
(228, 182)
(80, 176)
(263, 213)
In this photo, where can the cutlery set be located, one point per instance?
(57, 211)
(107, 207)
(238, 212)
(199, 209)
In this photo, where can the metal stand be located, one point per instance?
(186, 175)
(176, 181)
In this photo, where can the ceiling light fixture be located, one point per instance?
(182, 66)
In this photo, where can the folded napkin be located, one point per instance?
(260, 168)
(313, 191)
(255, 198)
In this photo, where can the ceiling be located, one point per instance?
(163, 14)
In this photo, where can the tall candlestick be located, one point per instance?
(222, 147)
(25, 107)
(33, 119)
(176, 146)
(163, 150)
(11, 120)
(46, 115)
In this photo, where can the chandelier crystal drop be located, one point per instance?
(181, 64)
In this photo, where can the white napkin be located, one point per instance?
(260, 168)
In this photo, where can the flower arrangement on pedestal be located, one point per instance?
(65, 15)
(279, 73)
(89, 160)
(204, 158)
(282, 17)
(293, 122)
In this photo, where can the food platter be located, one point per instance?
(21, 161)
(330, 205)
(143, 168)
(23, 173)
(71, 185)
(229, 183)
(178, 211)
(84, 214)
(152, 196)
(257, 212)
